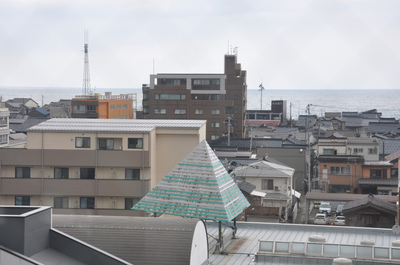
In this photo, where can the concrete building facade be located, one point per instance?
(90, 166)
(108, 106)
(218, 98)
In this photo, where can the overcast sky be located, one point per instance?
(295, 44)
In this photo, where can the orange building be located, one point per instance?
(108, 106)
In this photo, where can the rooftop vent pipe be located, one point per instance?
(317, 239)
(342, 261)
(367, 242)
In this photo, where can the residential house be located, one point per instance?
(61, 109)
(218, 98)
(24, 102)
(276, 116)
(94, 166)
(390, 129)
(370, 212)
(378, 177)
(272, 178)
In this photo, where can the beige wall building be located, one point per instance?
(94, 166)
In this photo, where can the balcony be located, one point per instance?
(74, 187)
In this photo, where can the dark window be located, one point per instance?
(61, 202)
(22, 200)
(267, 184)
(87, 173)
(91, 109)
(87, 203)
(82, 142)
(132, 174)
(130, 202)
(375, 173)
(22, 172)
(229, 110)
(61, 173)
(394, 173)
(106, 144)
(112, 107)
(135, 143)
(340, 170)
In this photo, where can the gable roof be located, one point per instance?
(370, 201)
(198, 187)
(264, 169)
(383, 127)
(389, 146)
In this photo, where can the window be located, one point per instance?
(229, 110)
(130, 202)
(394, 172)
(79, 109)
(125, 106)
(198, 111)
(87, 203)
(203, 82)
(215, 112)
(23, 172)
(135, 143)
(329, 151)
(22, 200)
(372, 151)
(3, 139)
(215, 124)
(61, 202)
(180, 111)
(160, 111)
(3, 121)
(170, 82)
(61, 173)
(214, 137)
(146, 110)
(215, 82)
(214, 97)
(340, 170)
(118, 117)
(170, 96)
(125, 117)
(91, 109)
(112, 106)
(106, 144)
(358, 150)
(118, 106)
(82, 142)
(267, 184)
(87, 173)
(375, 173)
(132, 174)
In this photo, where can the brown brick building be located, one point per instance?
(218, 98)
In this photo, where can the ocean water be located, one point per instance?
(386, 101)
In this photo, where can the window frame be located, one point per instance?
(132, 174)
(136, 144)
(61, 201)
(106, 143)
(180, 111)
(24, 174)
(27, 200)
(89, 201)
(90, 174)
(85, 142)
(63, 173)
(267, 184)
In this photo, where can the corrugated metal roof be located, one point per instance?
(345, 197)
(198, 187)
(383, 182)
(113, 125)
(138, 240)
(241, 250)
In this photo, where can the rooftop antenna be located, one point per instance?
(86, 73)
(261, 89)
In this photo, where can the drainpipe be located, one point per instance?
(42, 166)
(95, 173)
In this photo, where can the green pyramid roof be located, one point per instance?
(198, 187)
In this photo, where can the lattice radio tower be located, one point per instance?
(86, 73)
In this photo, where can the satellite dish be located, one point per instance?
(396, 229)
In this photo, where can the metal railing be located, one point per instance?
(329, 250)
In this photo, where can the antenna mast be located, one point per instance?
(86, 73)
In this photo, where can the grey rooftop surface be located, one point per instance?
(113, 125)
(242, 250)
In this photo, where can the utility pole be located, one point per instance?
(261, 89)
(309, 148)
(229, 131)
(86, 73)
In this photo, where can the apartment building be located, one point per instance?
(94, 166)
(4, 124)
(218, 98)
(108, 106)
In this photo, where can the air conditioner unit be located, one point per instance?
(277, 188)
